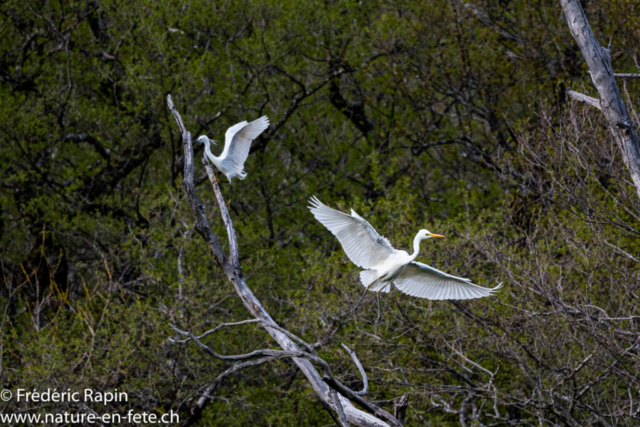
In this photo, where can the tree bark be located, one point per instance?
(611, 103)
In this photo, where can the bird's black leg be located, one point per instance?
(230, 195)
(379, 313)
(357, 305)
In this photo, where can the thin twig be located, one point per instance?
(280, 354)
(264, 323)
(580, 366)
(628, 255)
(220, 326)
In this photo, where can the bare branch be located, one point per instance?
(202, 225)
(627, 76)
(361, 369)
(180, 281)
(580, 366)
(90, 140)
(210, 331)
(628, 255)
(308, 346)
(350, 394)
(195, 413)
(295, 104)
(264, 352)
(279, 354)
(586, 99)
(400, 406)
(485, 370)
(354, 111)
(336, 401)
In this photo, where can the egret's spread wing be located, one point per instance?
(237, 140)
(362, 244)
(420, 280)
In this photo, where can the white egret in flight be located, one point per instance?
(237, 142)
(385, 265)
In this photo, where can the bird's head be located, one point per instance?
(205, 138)
(426, 234)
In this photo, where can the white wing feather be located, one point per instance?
(420, 280)
(237, 141)
(360, 241)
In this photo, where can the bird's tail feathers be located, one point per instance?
(369, 277)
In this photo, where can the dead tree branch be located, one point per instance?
(400, 406)
(210, 331)
(341, 416)
(231, 267)
(627, 76)
(351, 395)
(365, 387)
(279, 354)
(611, 103)
(586, 99)
(195, 412)
(202, 225)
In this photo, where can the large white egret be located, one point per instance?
(237, 142)
(385, 265)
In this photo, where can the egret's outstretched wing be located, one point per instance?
(362, 244)
(237, 140)
(420, 280)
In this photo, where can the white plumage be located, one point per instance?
(237, 143)
(385, 265)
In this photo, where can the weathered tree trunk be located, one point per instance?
(611, 103)
(231, 267)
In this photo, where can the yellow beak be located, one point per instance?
(436, 235)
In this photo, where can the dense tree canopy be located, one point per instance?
(438, 114)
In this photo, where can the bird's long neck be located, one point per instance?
(207, 149)
(416, 247)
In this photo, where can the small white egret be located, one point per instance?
(237, 142)
(385, 265)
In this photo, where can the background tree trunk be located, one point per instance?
(611, 103)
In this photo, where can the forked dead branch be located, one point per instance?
(325, 386)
